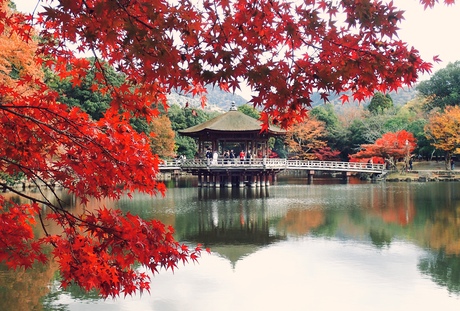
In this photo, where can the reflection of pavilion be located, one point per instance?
(235, 131)
(233, 252)
(232, 232)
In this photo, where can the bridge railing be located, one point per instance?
(274, 164)
(335, 165)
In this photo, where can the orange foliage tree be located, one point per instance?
(283, 50)
(390, 147)
(162, 137)
(17, 60)
(305, 138)
(443, 129)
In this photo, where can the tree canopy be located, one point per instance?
(282, 50)
(306, 138)
(443, 88)
(83, 95)
(380, 102)
(390, 146)
(443, 129)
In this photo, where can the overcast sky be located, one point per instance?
(433, 32)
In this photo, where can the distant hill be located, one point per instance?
(218, 100)
(400, 98)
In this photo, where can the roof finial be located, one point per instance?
(233, 107)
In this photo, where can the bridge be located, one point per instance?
(255, 172)
(277, 164)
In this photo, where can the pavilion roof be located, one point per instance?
(231, 121)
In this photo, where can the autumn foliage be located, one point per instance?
(306, 138)
(162, 137)
(443, 129)
(283, 50)
(391, 146)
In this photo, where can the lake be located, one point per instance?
(328, 245)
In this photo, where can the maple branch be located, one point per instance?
(78, 140)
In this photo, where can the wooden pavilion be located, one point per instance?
(232, 130)
(235, 131)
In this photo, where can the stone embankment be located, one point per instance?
(424, 171)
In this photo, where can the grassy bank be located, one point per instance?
(424, 171)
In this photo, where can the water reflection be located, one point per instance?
(444, 269)
(298, 238)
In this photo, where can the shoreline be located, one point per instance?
(423, 171)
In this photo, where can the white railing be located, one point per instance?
(335, 166)
(258, 163)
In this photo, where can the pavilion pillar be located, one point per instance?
(200, 177)
(265, 181)
(252, 180)
(241, 180)
(228, 182)
(208, 179)
(258, 180)
(200, 148)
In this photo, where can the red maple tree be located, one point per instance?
(390, 146)
(283, 50)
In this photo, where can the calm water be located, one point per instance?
(291, 246)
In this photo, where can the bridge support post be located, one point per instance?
(346, 176)
(310, 176)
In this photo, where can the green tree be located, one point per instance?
(182, 118)
(336, 134)
(357, 134)
(249, 111)
(327, 115)
(443, 88)
(186, 146)
(84, 95)
(379, 103)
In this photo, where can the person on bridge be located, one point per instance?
(215, 155)
(248, 157)
(242, 156)
(232, 157)
(226, 156)
(208, 156)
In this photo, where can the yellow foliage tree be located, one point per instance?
(443, 129)
(162, 142)
(306, 137)
(17, 60)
